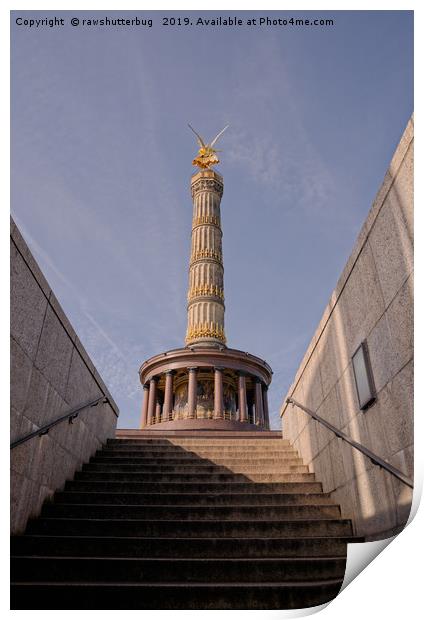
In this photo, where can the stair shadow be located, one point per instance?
(210, 479)
(204, 462)
(188, 541)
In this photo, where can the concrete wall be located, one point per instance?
(50, 374)
(373, 300)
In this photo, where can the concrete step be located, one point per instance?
(194, 499)
(192, 487)
(190, 477)
(134, 433)
(189, 570)
(185, 521)
(197, 528)
(200, 450)
(285, 595)
(189, 512)
(201, 468)
(191, 459)
(199, 442)
(239, 453)
(189, 546)
(205, 455)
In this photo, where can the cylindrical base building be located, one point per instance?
(205, 388)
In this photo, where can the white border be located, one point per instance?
(390, 585)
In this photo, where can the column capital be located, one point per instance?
(202, 184)
(192, 368)
(170, 372)
(154, 379)
(146, 386)
(219, 368)
(242, 373)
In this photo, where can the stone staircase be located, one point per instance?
(191, 521)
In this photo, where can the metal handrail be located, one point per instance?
(376, 460)
(70, 416)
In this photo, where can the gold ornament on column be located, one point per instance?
(206, 157)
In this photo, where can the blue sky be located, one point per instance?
(101, 165)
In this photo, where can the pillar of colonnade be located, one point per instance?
(153, 411)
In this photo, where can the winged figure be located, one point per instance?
(206, 156)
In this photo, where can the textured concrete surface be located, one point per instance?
(372, 301)
(50, 374)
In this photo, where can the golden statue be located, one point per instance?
(206, 156)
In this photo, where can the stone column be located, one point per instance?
(151, 409)
(218, 412)
(167, 404)
(206, 308)
(157, 413)
(266, 410)
(258, 402)
(192, 392)
(250, 411)
(143, 420)
(242, 397)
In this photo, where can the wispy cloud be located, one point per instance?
(286, 165)
(280, 156)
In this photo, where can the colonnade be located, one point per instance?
(252, 405)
